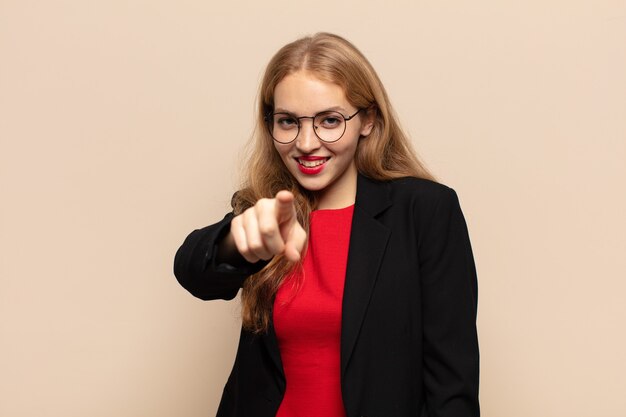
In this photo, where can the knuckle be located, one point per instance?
(249, 212)
(262, 203)
(267, 229)
(255, 245)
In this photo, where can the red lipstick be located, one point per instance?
(311, 165)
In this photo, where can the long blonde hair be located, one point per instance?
(384, 154)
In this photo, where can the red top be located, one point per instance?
(307, 319)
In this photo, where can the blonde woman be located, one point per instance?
(359, 288)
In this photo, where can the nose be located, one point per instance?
(307, 141)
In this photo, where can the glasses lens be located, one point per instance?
(329, 126)
(284, 127)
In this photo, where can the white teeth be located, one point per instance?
(311, 164)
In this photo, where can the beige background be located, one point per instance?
(121, 123)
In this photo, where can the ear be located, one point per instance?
(367, 121)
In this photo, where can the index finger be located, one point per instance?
(284, 206)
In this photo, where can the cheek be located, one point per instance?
(348, 150)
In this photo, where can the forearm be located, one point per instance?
(208, 265)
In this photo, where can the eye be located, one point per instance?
(285, 121)
(329, 120)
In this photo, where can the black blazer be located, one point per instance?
(408, 339)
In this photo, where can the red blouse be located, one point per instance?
(307, 319)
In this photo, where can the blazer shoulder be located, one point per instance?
(427, 200)
(420, 190)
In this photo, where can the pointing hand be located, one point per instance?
(269, 228)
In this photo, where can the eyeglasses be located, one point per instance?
(329, 126)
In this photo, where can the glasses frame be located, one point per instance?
(269, 118)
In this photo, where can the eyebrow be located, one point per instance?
(334, 108)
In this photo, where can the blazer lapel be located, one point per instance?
(368, 241)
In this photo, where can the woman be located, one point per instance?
(359, 285)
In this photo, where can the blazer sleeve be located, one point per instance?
(199, 272)
(449, 291)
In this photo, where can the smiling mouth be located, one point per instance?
(313, 163)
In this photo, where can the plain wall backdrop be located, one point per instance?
(121, 129)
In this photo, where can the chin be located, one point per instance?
(312, 185)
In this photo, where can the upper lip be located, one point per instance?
(311, 157)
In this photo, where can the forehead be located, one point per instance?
(303, 93)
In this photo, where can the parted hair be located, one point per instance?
(385, 154)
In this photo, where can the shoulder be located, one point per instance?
(426, 202)
(418, 186)
(430, 208)
(421, 194)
